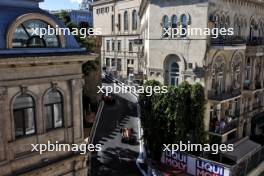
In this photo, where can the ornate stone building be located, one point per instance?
(40, 93)
(120, 27)
(231, 68)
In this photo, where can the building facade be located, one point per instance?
(40, 93)
(120, 27)
(231, 68)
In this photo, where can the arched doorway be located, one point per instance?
(173, 67)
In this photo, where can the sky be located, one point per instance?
(60, 4)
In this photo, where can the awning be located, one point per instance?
(242, 150)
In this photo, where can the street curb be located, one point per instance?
(140, 158)
(97, 119)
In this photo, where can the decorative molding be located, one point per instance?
(23, 89)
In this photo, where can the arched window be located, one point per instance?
(126, 21)
(134, 20)
(53, 102)
(227, 22)
(248, 70)
(119, 22)
(236, 73)
(174, 74)
(27, 35)
(173, 25)
(174, 21)
(165, 25)
(24, 115)
(184, 25)
(216, 21)
(218, 77)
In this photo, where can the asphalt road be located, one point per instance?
(116, 158)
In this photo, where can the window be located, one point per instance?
(119, 45)
(113, 45)
(173, 24)
(119, 65)
(248, 70)
(132, 61)
(113, 62)
(53, 103)
(174, 21)
(236, 74)
(107, 62)
(125, 21)
(190, 65)
(25, 36)
(130, 47)
(174, 74)
(165, 25)
(184, 25)
(108, 45)
(24, 116)
(119, 22)
(134, 20)
(113, 23)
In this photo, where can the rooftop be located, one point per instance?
(10, 13)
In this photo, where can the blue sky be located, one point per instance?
(59, 4)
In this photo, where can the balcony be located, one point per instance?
(223, 127)
(221, 96)
(228, 43)
(248, 86)
(255, 41)
(235, 114)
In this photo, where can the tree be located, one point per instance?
(172, 117)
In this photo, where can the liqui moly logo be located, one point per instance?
(174, 159)
(204, 168)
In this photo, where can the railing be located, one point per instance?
(245, 167)
(214, 95)
(219, 129)
(227, 41)
(255, 41)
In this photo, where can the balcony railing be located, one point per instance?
(223, 126)
(214, 95)
(227, 41)
(255, 41)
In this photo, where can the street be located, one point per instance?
(116, 158)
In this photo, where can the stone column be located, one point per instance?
(3, 117)
(77, 111)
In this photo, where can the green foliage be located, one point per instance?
(172, 117)
(88, 42)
